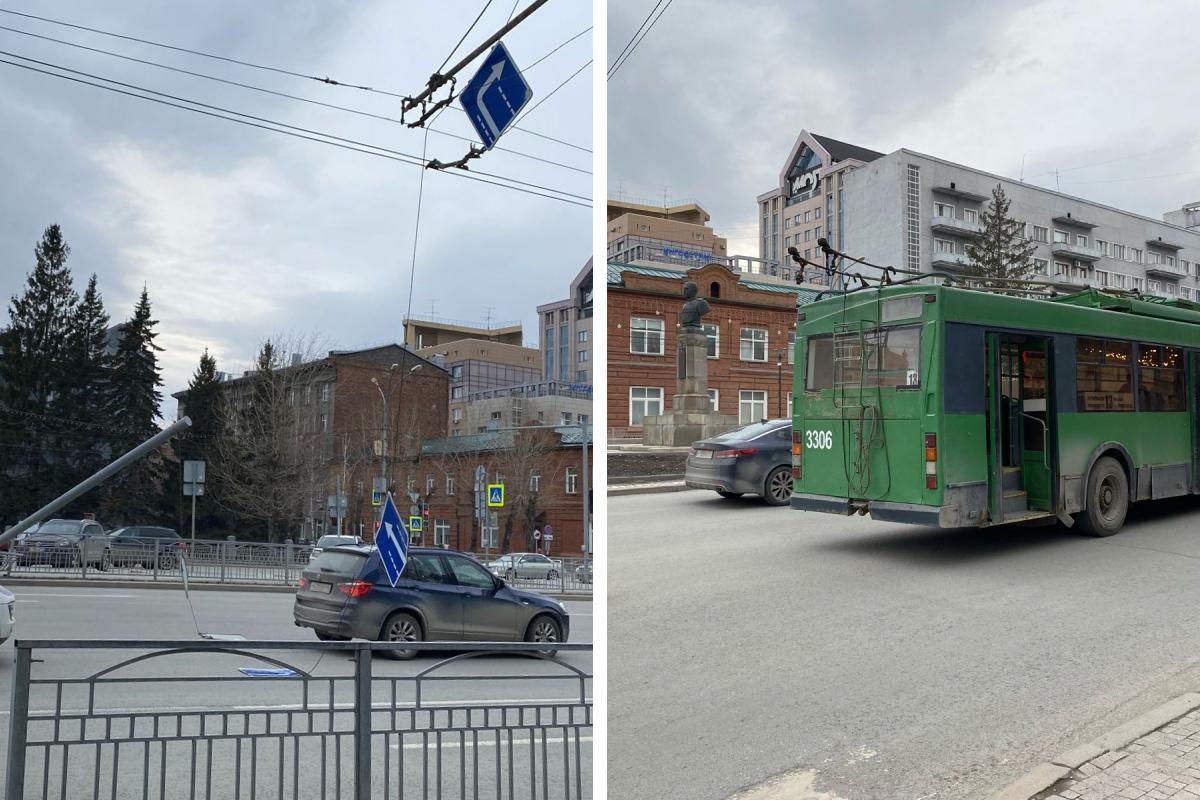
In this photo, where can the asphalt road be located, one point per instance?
(879, 660)
(100, 612)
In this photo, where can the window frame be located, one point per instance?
(643, 400)
(646, 331)
(753, 342)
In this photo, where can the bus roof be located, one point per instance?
(1090, 312)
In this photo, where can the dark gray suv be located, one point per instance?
(443, 595)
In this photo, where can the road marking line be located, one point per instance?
(490, 742)
(47, 594)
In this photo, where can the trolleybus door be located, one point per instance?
(1019, 421)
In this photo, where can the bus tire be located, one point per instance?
(1107, 499)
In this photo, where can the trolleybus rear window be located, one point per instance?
(892, 358)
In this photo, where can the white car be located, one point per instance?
(526, 565)
(331, 541)
(7, 614)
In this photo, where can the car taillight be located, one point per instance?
(301, 583)
(691, 452)
(355, 588)
(797, 455)
(931, 461)
(735, 452)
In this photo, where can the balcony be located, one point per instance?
(955, 226)
(1077, 251)
(954, 261)
(954, 191)
(1159, 243)
(1067, 219)
(1165, 270)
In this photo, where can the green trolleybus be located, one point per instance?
(955, 407)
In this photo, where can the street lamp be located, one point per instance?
(383, 455)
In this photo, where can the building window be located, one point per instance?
(1101, 277)
(456, 392)
(969, 215)
(490, 531)
(644, 401)
(1040, 234)
(583, 356)
(430, 483)
(324, 423)
(1081, 240)
(564, 417)
(646, 336)
(817, 232)
(713, 335)
(535, 482)
(456, 372)
(1118, 252)
(1135, 255)
(714, 399)
(572, 480)
(450, 484)
(753, 344)
(411, 486)
(808, 235)
(1154, 286)
(1062, 268)
(1136, 282)
(456, 415)
(1061, 237)
(581, 419)
(1103, 245)
(496, 416)
(808, 216)
(943, 210)
(943, 246)
(581, 376)
(791, 347)
(789, 399)
(441, 533)
(1041, 266)
(1119, 280)
(324, 392)
(817, 212)
(583, 336)
(752, 406)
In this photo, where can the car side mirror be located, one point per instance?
(498, 582)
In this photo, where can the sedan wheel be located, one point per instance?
(544, 630)
(401, 627)
(778, 489)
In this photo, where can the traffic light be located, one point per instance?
(425, 511)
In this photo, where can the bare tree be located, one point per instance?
(528, 456)
(272, 456)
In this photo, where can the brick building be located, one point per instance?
(333, 412)
(542, 470)
(751, 330)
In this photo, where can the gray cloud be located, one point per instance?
(711, 102)
(239, 233)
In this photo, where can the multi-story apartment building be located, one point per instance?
(565, 333)
(919, 212)
(541, 403)
(808, 202)
(751, 330)
(677, 235)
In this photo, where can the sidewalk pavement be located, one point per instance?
(1154, 757)
(650, 487)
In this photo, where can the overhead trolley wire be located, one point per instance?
(628, 51)
(467, 33)
(275, 93)
(329, 139)
(252, 65)
(556, 88)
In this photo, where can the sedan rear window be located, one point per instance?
(340, 562)
(751, 431)
(334, 541)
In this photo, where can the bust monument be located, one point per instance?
(694, 308)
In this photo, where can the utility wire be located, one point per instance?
(397, 156)
(465, 35)
(252, 65)
(274, 93)
(556, 88)
(621, 62)
(560, 47)
(625, 49)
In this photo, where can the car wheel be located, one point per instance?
(166, 561)
(1107, 499)
(777, 490)
(552, 575)
(329, 637)
(105, 562)
(544, 630)
(401, 627)
(729, 495)
(509, 575)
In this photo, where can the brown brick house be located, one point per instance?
(751, 329)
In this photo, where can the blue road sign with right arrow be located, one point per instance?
(495, 95)
(392, 541)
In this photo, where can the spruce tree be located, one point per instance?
(132, 403)
(205, 407)
(1001, 257)
(89, 371)
(35, 385)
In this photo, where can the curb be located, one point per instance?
(1045, 775)
(650, 488)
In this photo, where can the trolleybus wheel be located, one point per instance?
(1107, 499)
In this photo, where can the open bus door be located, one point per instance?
(1019, 420)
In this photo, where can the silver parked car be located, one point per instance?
(332, 540)
(526, 565)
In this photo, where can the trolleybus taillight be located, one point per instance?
(797, 456)
(931, 461)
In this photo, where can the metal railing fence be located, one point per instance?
(361, 732)
(223, 561)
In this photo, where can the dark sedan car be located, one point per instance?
(755, 459)
(142, 545)
(443, 595)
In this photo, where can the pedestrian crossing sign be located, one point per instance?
(415, 524)
(495, 495)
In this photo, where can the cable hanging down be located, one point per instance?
(263, 123)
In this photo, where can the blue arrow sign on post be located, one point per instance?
(392, 541)
(495, 95)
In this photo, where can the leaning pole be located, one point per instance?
(153, 443)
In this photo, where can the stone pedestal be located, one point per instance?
(691, 417)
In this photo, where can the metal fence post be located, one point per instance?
(287, 561)
(18, 724)
(156, 543)
(362, 722)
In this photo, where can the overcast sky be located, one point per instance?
(239, 233)
(711, 102)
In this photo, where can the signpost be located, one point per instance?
(392, 541)
(495, 495)
(416, 523)
(495, 95)
(193, 486)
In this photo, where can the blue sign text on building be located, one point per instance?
(495, 95)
